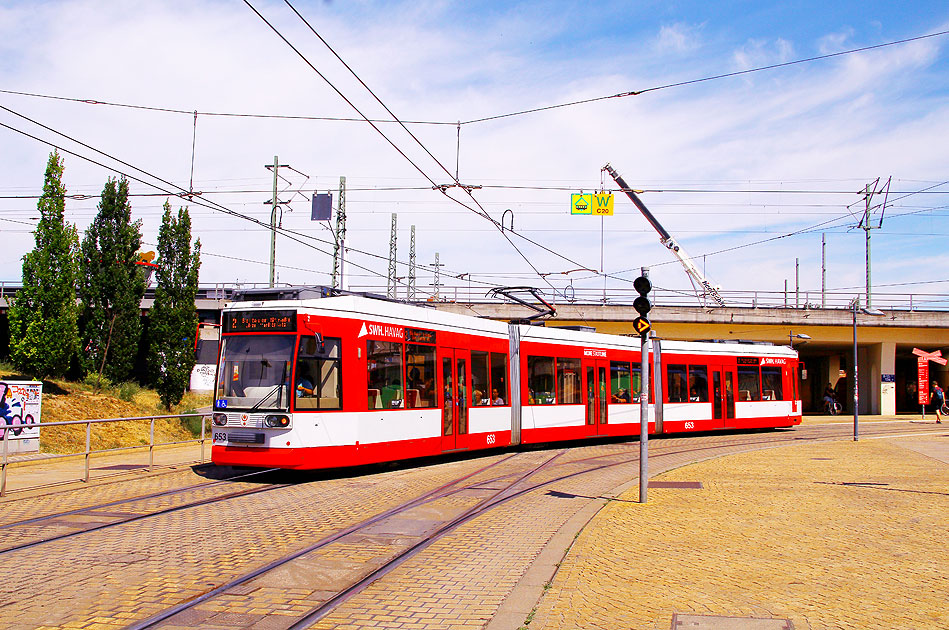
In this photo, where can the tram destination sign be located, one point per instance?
(260, 321)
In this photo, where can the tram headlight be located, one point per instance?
(220, 419)
(276, 421)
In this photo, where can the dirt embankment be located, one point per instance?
(64, 401)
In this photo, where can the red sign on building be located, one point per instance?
(922, 377)
(922, 380)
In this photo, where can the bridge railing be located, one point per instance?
(619, 296)
(9, 462)
(664, 297)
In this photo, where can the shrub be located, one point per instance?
(127, 391)
(97, 381)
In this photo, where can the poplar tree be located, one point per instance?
(111, 286)
(173, 321)
(44, 335)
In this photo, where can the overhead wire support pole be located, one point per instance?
(194, 139)
(391, 282)
(340, 241)
(273, 221)
(865, 221)
(275, 205)
(412, 264)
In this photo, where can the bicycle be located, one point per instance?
(832, 407)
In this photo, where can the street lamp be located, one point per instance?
(855, 306)
(792, 337)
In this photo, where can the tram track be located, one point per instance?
(96, 511)
(508, 492)
(480, 481)
(141, 497)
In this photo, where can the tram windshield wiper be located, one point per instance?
(277, 389)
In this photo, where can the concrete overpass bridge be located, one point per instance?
(887, 367)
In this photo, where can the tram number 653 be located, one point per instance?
(220, 437)
(689, 425)
(491, 438)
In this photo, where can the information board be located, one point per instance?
(260, 321)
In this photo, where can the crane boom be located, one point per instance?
(666, 239)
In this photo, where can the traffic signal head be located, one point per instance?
(642, 285)
(641, 304)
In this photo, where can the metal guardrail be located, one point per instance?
(616, 296)
(622, 296)
(87, 454)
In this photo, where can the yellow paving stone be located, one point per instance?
(777, 533)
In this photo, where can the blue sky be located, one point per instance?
(814, 133)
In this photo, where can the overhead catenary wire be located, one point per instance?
(481, 211)
(709, 78)
(92, 101)
(715, 77)
(171, 110)
(181, 192)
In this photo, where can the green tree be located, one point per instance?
(44, 335)
(173, 321)
(111, 286)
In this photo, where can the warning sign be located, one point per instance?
(598, 204)
(641, 325)
(581, 204)
(603, 204)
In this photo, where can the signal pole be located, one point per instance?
(642, 326)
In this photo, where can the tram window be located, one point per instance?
(479, 379)
(499, 378)
(384, 361)
(420, 376)
(771, 383)
(749, 383)
(698, 383)
(675, 377)
(620, 383)
(318, 381)
(637, 383)
(568, 381)
(540, 380)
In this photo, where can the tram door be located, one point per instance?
(455, 395)
(723, 395)
(598, 395)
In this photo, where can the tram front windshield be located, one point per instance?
(254, 372)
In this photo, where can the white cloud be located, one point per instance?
(678, 38)
(828, 125)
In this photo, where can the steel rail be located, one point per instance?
(437, 493)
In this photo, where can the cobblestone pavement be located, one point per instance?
(808, 533)
(831, 535)
(106, 579)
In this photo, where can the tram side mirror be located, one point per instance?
(315, 345)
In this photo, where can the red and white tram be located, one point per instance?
(349, 380)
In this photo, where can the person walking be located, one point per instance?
(939, 399)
